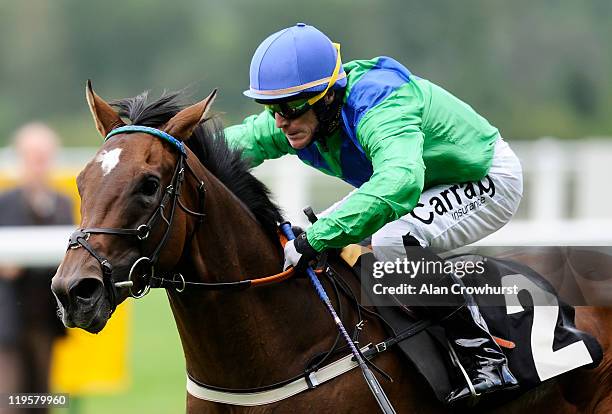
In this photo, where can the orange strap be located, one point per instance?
(279, 277)
(504, 343)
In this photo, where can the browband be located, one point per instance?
(128, 129)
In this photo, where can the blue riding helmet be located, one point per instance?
(293, 61)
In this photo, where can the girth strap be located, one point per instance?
(328, 372)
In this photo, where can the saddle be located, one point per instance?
(540, 342)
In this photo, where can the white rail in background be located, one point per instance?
(567, 198)
(46, 246)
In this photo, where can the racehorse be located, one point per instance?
(191, 218)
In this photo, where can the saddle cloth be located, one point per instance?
(547, 343)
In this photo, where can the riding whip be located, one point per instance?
(373, 384)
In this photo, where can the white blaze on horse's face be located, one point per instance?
(109, 159)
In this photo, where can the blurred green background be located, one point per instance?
(532, 68)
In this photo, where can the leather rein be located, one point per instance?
(170, 200)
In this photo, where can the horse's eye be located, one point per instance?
(149, 187)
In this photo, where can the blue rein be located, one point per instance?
(128, 129)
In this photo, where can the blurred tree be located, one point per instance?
(531, 68)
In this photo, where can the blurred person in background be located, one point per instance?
(431, 173)
(28, 322)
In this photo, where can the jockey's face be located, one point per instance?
(299, 131)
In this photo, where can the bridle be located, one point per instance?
(170, 199)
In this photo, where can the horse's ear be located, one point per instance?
(181, 125)
(105, 117)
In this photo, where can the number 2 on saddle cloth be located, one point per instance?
(540, 342)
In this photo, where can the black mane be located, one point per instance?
(209, 145)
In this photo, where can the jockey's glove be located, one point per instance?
(298, 253)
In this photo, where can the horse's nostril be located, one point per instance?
(62, 297)
(86, 288)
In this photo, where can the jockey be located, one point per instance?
(428, 170)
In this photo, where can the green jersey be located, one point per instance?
(400, 134)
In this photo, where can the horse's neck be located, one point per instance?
(251, 337)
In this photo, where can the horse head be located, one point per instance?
(130, 222)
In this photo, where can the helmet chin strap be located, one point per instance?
(329, 117)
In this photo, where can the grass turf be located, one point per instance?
(157, 366)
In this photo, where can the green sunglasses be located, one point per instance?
(291, 109)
